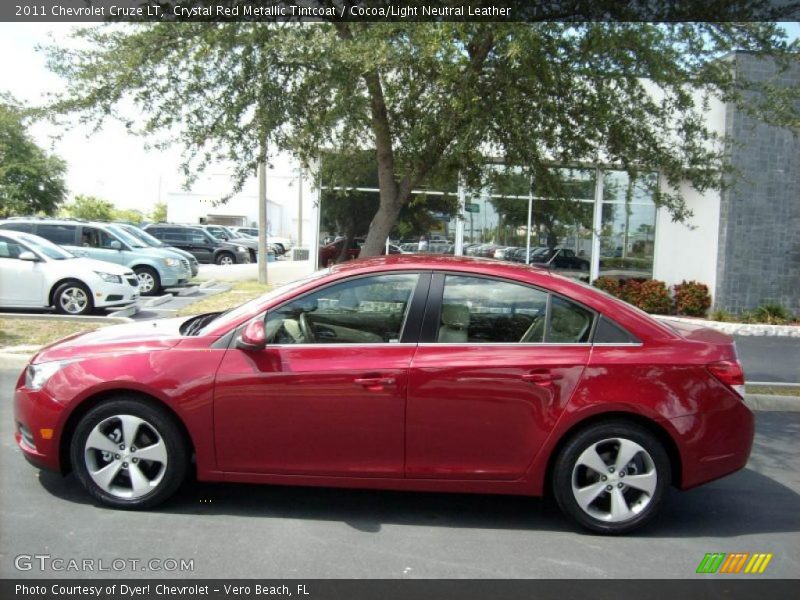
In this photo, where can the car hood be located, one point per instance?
(231, 245)
(144, 336)
(91, 264)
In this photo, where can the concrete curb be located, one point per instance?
(754, 329)
(770, 402)
(158, 300)
(45, 317)
(208, 284)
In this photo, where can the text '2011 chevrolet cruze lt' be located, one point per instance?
(406, 372)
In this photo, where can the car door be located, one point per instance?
(202, 246)
(496, 364)
(21, 281)
(327, 395)
(97, 243)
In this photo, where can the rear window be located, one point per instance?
(14, 226)
(58, 234)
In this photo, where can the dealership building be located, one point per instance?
(742, 242)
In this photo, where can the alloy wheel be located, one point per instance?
(146, 282)
(614, 480)
(73, 300)
(226, 260)
(126, 456)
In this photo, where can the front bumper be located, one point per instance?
(116, 294)
(41, 416)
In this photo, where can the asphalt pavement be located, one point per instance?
(233, 531)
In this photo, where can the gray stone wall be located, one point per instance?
(758, 260)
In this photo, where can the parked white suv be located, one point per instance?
(35, 273)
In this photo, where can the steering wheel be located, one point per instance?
(305, 329)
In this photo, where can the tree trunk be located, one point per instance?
(380, 227)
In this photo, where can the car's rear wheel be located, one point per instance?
(149, 281)
(226, 258)
(73, 298)
(612, 477)
(128, 453)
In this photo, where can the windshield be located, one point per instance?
(231, 316)
(143, 236)
(45, 247)
(126, 237)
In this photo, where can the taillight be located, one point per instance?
(730, 373)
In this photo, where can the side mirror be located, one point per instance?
(115, 245)
(253, 337)
(29, 256)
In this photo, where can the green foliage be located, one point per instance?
(692, 298)
(90, 208)
(31, 180)
(722, 315)
(431, 97)
(159, 213)
(773, 314)
(129, 215)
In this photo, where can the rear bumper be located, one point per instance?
(713, 444)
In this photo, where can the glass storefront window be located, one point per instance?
(627, 236)
(495, 218)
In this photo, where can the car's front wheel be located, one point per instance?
(149, 281)
(129, 453)
(226, 258)
(612, 477)
(73, 298)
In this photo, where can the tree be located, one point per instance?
(159, 213)
(31, 180)
(130, 215)
(438, 96)
(90, 208)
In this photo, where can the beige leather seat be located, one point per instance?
(455, 323)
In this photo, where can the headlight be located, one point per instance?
(37, 375)
(108, 277)
(171, 262)
(240, 249)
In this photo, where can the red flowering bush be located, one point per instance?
(608, 285)
(651, 296)
(692, 298)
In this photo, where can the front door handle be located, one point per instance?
(374, 384)
(543, 377)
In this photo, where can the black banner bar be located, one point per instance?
(729, 588)
(154, 11)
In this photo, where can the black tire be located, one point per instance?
(225, 258)
(605, 435)
(73, 298)
(157, 425)
(149, 281)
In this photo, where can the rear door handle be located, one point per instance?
(374, 384)
(543, 377)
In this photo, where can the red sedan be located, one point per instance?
(408, 373)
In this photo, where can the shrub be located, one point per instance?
(608, 285)
(692, 298)
(722, 315)
(650, 295)
(773, 314)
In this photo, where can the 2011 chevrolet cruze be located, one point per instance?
(408, 373)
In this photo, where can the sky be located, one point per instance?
(111, 163)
